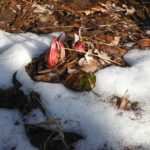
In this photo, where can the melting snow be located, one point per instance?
(12, 133)
(101, 124)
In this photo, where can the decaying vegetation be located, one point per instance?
(96, 34)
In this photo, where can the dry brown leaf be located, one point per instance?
(115, 42)
(129, 11)
(47, 77)
(41, 9)
(86, 12)
(99, 8)
(123, 104)
(89, 64)
(104, 58)
(144, 42)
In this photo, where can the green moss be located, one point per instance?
(80, 81)
(87, 82)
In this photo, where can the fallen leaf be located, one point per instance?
(98, 8)
(47, 77)
(89, 64)
(115, 42)
(120, 102)
(144, 42)
(129, 11)
(41, 9)
(123, 103)
(86, 12)
(104, 58)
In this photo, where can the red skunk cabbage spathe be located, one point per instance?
(79, 46)
(53, 54)
(61, 47)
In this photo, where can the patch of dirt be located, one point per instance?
(50, 140)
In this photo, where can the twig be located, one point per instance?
(58, 26)
(50, 136)
(98, 95)
(59, 130)
(107, 60)
(62, 135)
(44, 71)
(103, 59)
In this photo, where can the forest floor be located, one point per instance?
(103, 25)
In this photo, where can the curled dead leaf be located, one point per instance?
(129, 11)
(103, 57)
(121, 102)
(115, 41)
(86, 12)
(41, 9)
(89, 64)
(144, 42)
(47, 77)
(100, 8)
(125, 104)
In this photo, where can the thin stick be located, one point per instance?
(49, 137)
(103, 59)
(106, 60)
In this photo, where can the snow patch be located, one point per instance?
(134, 80)
(18, 50)
(12, 133)
(93, 116)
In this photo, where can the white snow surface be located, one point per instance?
(19, 49)
(93, 116)
(12, 133)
